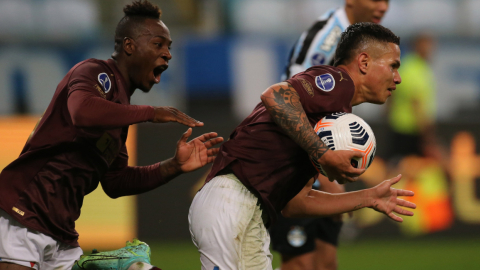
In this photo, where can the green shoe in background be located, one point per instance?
(120, 259)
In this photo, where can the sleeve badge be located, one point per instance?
(325, 82)
(105, 82)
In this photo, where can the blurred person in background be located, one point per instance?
(416, 151)
(312, 243)
(412, 111)
(79, 143)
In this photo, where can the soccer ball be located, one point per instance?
(346, 131)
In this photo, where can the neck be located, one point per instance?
(123, 68)
(358, 98)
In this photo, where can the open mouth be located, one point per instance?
(376, 19)
(158, 71)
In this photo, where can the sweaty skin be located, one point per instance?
(378, 75)
(382, 198)
(12, 266)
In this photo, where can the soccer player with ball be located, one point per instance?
(267, 165)
(316, 46)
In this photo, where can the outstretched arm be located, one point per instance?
(123, 180)
(283, 103)
(382, 198)
(89, 110)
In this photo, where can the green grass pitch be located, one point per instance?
(370, 254)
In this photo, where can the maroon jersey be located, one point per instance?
(78, 142)
(262, 155)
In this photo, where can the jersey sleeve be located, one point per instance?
(89, 106)
(83, 79)
(123, 180)
(323, 90)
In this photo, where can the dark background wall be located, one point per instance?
(162, 213)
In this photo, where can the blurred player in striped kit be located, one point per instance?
(312, 243)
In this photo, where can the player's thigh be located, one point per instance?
(325, 256)
(328, 231)
(25, 248)
(63, 259)
(19, 245)
(303, 261)
(218, 217)
(13, 266)
(255, 245)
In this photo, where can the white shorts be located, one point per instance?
(227, 227)
(22, 246)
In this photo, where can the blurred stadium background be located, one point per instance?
(225, 53)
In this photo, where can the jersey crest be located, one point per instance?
(318, 59)
(325, 82)
(297, 236)
(104, 80)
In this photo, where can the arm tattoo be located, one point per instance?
(357, 207)
(287, 112)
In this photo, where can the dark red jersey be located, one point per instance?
(78, 142)
(262, 155)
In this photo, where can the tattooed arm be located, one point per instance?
(283, 104)
(382, 198)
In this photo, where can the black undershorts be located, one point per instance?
(296, 236)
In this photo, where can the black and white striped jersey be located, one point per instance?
(317, 45)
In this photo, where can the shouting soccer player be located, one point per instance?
(316, 46)
(80, 142)
(266, 165)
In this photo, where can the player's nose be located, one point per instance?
(166, 55)
(383, 6)
(396, 78)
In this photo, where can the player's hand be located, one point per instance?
(384, 199)
(337, 165)
(196, 153)
(170, 114)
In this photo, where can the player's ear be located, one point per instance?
(128, 45)
(363, 61)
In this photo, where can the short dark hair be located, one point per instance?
(135, 14)
(143, 9)
(360, 33)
